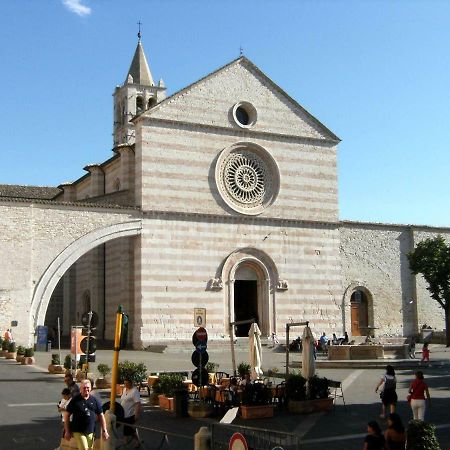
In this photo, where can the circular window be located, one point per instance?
(247, 178)
(244, 114)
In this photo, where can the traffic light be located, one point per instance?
(124, 332)
(88, 344)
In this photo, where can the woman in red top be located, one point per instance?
(418, 389)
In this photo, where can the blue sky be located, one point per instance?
(377, 73)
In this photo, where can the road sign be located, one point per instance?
(195, 358)
(94, 319)
(196, 377)
(278, 448)
(200, 336)
(201, 347)
(238, 442)
(199, 317)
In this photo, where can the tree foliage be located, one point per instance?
(431, 258)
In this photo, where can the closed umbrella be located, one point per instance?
(308, 361)
(255, 351)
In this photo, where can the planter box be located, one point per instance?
(256, 412)
(102, 383)
(199, 410)
(166, 402)
(310, 406)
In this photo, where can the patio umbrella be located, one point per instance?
(308, 361)
(255, 351)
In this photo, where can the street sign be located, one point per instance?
(195, 358)
(278, 448)
(196, 377)
(199, 317)
(201, 347)
(199, 336)
(238, 442)
(92, 344)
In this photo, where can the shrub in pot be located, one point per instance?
(135, 372)
(55, 365)
(317, 388)
(165, 388)
(68, 363)
(29, 356)
(103, 382)
(256, 401)
(20, 353)
(295, 387)
(11, 350)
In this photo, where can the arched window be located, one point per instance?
(139, 105)
(151, 102)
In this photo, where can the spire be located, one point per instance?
(139, 69)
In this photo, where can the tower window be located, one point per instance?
(151, 102)
(139, 105)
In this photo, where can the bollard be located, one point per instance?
(202, 439)
(111, 443)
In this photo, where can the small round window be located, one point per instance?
(244, 114)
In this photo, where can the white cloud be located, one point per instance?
(76, 7)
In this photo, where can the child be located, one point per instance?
(425, 352)
(64, 401)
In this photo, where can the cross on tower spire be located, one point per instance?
(139, 32)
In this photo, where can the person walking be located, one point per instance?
(70, 383)
(425, 352)
(395, 436)
(388, 394)
(131, 403)
(374, 439)
(418, 389)
(84, 410)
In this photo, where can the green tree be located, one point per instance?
(431, 258)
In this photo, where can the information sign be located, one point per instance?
(199, 317)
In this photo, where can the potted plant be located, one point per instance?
(256, 401)
(165, 387)
(20, 353)
(11, 350)
(243, 369)
(211, 368)
(421, 436)
(68, 363)
(55, 365)
(29, 356)
(135, 372)
(103, 382)
(4, 347)
(306, 396)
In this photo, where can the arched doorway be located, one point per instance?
(245, 297)
(250, 277)
(359, 310)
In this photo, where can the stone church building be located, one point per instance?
(221, 196)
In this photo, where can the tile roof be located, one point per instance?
(36, 192)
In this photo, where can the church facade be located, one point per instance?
(235, 189)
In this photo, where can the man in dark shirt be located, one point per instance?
(73, 387)
(84, 409)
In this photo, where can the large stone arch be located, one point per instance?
(69, 256)
(267, 272)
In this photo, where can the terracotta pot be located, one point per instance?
(55, 368)
(256, 411)
(166, 402)
(19, 358)
(102, 383)
(11, 355)
(199, 410)
(28, 361)
(310, 406)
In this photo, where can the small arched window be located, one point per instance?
(139, 105)
(151, 102)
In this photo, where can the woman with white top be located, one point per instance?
(388, 395)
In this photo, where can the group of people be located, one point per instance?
(412, 350)
(394, 437)
(81, 409)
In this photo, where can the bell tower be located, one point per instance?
(137, 94)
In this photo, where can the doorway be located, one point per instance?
(245, 304)
(359, 313)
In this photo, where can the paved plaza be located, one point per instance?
(29, 395)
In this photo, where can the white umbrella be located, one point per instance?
(308, 361)
(255, 351)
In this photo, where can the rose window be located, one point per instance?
(245, 180)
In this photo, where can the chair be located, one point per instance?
(220, 375)
(337, 391)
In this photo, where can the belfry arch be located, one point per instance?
(250, 275)
(56, 269)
